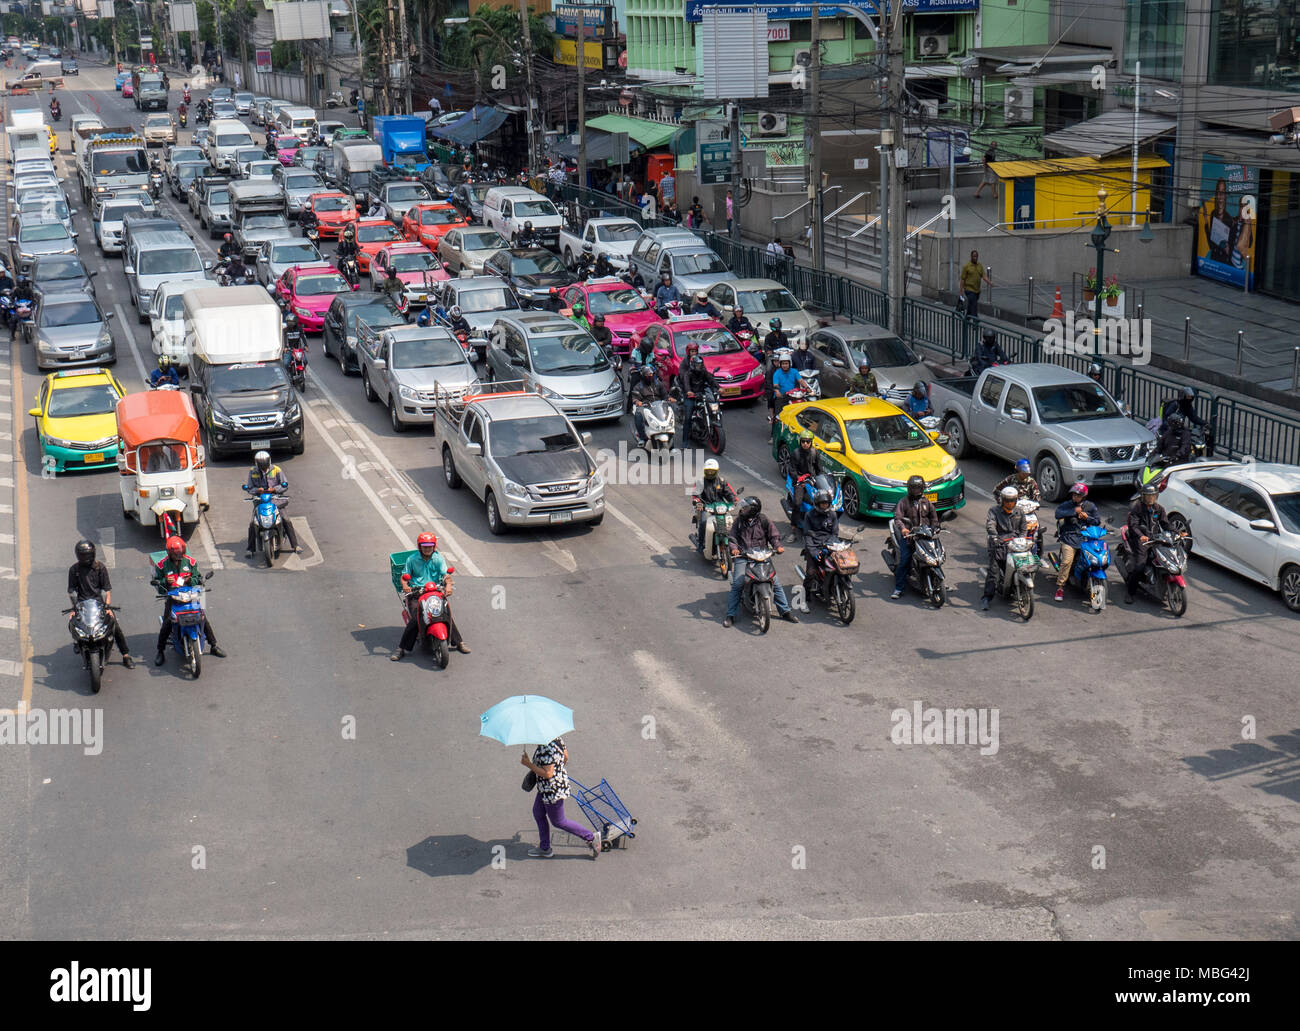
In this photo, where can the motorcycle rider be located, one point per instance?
(647, 389)
(178, 566)
(228, 248)
(753, 531)
(1021, 479)
(1072, 515)
(739, 323)
(427, 564)
(642, 354)
(294, 339)
(776, 339)
(990, 353)
(864, 382)
(56, 109)
(666, 293)
(602, 334)
(1146, 518)
(165, 373)
(918, 404)
(1185, 405)
(700, 305)
(263, 478)
(1003, 520)
(182, 110)
(692, 380)
(803, 358)
(347, 243)
(457, 322)
(912, 511)
(88, 578)
(604, 267)
(527, 237)
(784, 380)
(712, 490)
(821, 525)
(1174, 444)
(805, 464)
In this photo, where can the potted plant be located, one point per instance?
(1111, 291)
(1090, 284)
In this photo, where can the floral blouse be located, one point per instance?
(557, 788)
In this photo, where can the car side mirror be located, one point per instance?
(92, 274)
(128, 270)
(835, 447)
(1019, 415)
(586, 436)
(474, 450)
(380, 363)
(36, 413)
(837, 363)
(1263, 525)
(207, 266)
(13, 239)
(109, 315)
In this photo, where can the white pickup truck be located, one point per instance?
(612, 237)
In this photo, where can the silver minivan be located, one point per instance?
(682, 254)
(559, 360)
(153, 258)
(408, 367)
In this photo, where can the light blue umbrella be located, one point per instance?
(526, 719)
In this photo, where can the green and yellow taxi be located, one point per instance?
(76, 420)
(874, 447)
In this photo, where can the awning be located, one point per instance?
(1072, 166)
(647, 133)
(600, 146)
(1032, 57)
(1107, 134)
(473, 125)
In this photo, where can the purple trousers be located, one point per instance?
(545, 815)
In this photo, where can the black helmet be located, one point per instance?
(528, 227)
(647, 372)
(822, 497)
(600, 319)
(915, 486)
(85, 551)
(1150, 490)
(775, 323)
(989, 337)
(697, 363)
(1176, 420)
(291, 320)
(750, 507)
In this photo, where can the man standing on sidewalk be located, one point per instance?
(972, 277)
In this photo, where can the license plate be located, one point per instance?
(561, 517)
(731, 391)
(259, 445)
(97, 456)
(77, 356)
(932, 497)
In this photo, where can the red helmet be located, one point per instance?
(692, 348)
(426, 538)
(175, 547)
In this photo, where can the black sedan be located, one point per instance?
(341, 318)
(532, 271)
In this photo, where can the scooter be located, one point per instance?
(1018, 574)
(349, 269)
(221, 273)
(714, 522)
(809, 388)
(817, 483)
(925, 572)
(270, 523)
(706, 423)
(660, 426)
(188, 636)
(186, 95)
(155, 183)
(431, 610)
(1091, 561)
(1029, 508)
(1163, 578)
(758, 593)
(828, 575)
(1157, 467)
(183, 117)
(750, 343)
(56, 111)
(91, 627)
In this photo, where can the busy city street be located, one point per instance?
(1137, 774)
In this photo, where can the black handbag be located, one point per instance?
(530, 781)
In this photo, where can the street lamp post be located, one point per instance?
(1100, 234)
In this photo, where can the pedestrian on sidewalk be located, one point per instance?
(731, 210)
(774, 256)
(549, 765)
(973, 276)
(990, 178)
(698, 218)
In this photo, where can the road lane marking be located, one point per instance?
(756, 474)
(562, 557)
(9, 668)
(307, 540)
(980, 491)
(130, 339)
(8, 622)
(209, 542)
(641, 535)
(23, 551)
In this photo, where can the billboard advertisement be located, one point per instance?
(1226, 221)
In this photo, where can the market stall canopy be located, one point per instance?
(600, 147)
(482, 121)
(647, 133)
(1107, 134)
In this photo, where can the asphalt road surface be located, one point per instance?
(1123, 799)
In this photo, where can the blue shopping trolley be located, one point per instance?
(606, 813)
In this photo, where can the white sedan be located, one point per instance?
(1245, 516)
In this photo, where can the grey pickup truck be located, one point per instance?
(1063, 422)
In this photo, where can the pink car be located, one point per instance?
(740, 377)
(626, 313)
(286, 149)
(309, 290)
(413, 264)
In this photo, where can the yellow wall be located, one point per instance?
(1057, 198)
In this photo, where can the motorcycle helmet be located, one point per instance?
(600, 320)
(1008, 494)
(701, 298)
(263, 461)
(989, 337)
(455, 311)
(1149, 490)
(692, 349)
(164, 362)
(1176, 420)
(647, 372)
(783, 359)
(291, 321)
(1094, 370)
(175, 547)
(915, 486)
(1188, 392)
(348, 232)
(864, 365)
(697, 363)
(740, 312)
(579, 308)
(806, 437)
(85, 552)
(750, 507)
(1022, 467)
(528, 227)
(775, 324)
(426, 540)
(227, 238)
(822, 498)
(1080, 488)
(711, 469)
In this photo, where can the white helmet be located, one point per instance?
(1009, 494)
(455, 311)
(710, 468)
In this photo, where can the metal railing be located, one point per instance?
(847, 204)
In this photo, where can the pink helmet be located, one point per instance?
(1080, 488)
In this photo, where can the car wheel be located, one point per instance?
(365, 385)
(1290, 585)
(495, 525)
(393, 417)
(956, 437)
(852, 502)
(449, 472)
(1050, 481)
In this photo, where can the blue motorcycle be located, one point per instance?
(270, 523)
(817, 483)
(1091, 561)
(188, 637)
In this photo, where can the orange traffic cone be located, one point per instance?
(1058, 312)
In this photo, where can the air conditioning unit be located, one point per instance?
(929, 107)
(772, 124)
(803, 58)
(1018, 105)
(932, 46)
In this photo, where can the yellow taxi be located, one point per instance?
(76, 420)
(873, 447)
(54, 139)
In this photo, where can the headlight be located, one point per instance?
(302, 313)
(1146, 449)
(550, 394)
(407, 393)
(1079, 454)
(105, 338)
(514, 490)
(294, 413)
(882, 481)
(58, 442)
(613, 388)
(223, 420)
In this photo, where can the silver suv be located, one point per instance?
(409, 367)
(557, 359)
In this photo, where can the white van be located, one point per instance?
(154, 258)
(507, 208)
(296, 121)
(228, 136)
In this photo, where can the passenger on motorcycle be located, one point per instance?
(753, 531)
(701, 305)
(1003, 520)
(1022, 481)
(1185, 405)
(165, 373)
(739, 323)
(912, 511)
(1174, 444)
(713, 489)
(88, 578)
(990, 353)
(1146, 518)
(419, 570)
(457, 321)
(347, 243)
(803, 358)
(172, 571)
(647, 389)
(604, 267)
(1072, 515)
(864, 382)
(642, 354)
(918, 401)
(692, 380)
(262, 478)
(776, 339)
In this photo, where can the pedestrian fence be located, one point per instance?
(1241, 428)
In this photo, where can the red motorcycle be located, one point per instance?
(298, 367)
(431, 610)
(187, 95)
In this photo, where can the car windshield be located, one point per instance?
(407, 192)
(245, 154)
(243, 98)
(479, 190)
(335, 204)
(533, 264)
(486, 240)
(414, 261)
(248, 379)
(693, 264)
(264, 222)
(75, 313)
(169, 262)
(886, 433)
(48, 231)
(294, 254)
(711, 341)
(190, 170)
(234, 139)
(180, 154)
(1288, 510)
(301, 181)
(378, 234)
(120, 162)
(218, 197)
(174, 308)
(314, 286)
(534, 209)
(567, 353)
(154, 120)
(534, 436)
(70, 402)
(495, 298)
(288, 143)
(261, 169)
(885, 352)
(439, 216)
(1073, 401)
(775, 298)
(377, 316)
(59, 268)
(615, 302)
(617, 234)
(426, 354)
(117, 212)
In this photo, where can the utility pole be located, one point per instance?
(361, 61)
(528, 73)
(1099, 235)
(386, 43)
(1137, 103)
(406, 58)
(736, 170)
(897, 288)
(582, 97)
(814, 152)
